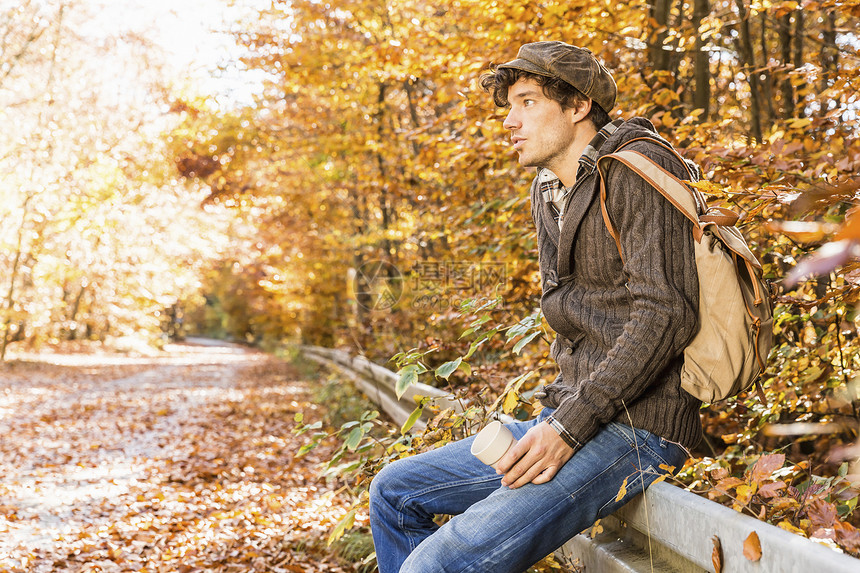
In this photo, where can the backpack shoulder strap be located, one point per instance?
(686, 200)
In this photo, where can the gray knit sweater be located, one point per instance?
(622, 327)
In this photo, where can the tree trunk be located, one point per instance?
(659, 58)
(9, 301)
(747, 61)
(385, 197)
(829, 59)
(785, 47)
(74, 331)
(767, 81)
(799, 31)
(702, 64)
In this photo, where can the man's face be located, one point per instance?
(542, 133)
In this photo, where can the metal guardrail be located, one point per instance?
(668, 529)
(378, 384)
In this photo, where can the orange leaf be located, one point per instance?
(752, 547)
(766, 465)
(729, 483)
(821, 513)
(717, 555)
(771, 489)
(719, 473)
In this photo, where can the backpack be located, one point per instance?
(735, 335)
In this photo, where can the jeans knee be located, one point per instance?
(384, 485)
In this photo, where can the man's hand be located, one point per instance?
(534, 459)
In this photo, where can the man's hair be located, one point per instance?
(497, 82)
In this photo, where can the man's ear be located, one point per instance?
(580, 110)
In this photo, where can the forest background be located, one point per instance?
(359, 187)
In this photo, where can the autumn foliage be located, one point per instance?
(377, 191)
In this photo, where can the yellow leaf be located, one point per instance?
(779, 134)
(708, 187)
(511, 401)
(789, 527)
(622, 491)
(744, 493)
(342, 526)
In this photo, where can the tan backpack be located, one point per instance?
(735, 335)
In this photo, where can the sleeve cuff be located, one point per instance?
(563, 433)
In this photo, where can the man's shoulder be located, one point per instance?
(652, 148)
(661, 153)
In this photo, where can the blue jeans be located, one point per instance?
(496, 528)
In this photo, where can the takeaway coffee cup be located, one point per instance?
(492, 443)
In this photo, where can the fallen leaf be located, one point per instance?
(769, 490)
(717, 555)
(766, 465)
(847, 535)
(729, 483)
(821, 513)
(752, 547)
(622, 491)
(789, 527)
(719, 473)
(744, 493)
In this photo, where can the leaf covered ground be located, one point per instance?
(179, 462)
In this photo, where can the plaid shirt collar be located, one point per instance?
(550, 185)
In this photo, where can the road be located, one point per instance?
(120, 463)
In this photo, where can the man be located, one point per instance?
(616, 417)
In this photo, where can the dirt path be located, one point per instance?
(179, 462)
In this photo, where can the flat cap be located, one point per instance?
(576, 66)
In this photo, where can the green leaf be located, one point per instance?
(353, 439)
(367, 416)
(364, 447)
(305, 449)
(408, 376)
(298, 418)
(479, 321)
(308, 428)
(448, 368)
(479, 341)
(474, 346)
(467, 332)
(413, 417)
(466, 367)
(523, 341)
(343, 469)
